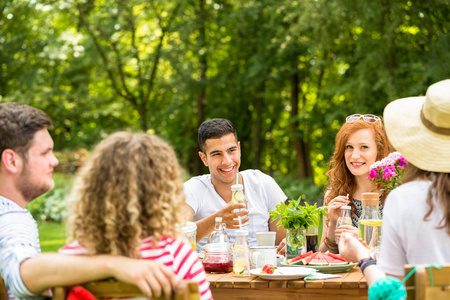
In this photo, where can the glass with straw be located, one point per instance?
(241, 248)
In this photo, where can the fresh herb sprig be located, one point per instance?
(295, 216)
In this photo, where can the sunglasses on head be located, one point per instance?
(366, 118)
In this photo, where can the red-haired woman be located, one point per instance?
(359, 143)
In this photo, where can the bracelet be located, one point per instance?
(365, 262)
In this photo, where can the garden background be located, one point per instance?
(285, 72)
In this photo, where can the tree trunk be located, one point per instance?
(201, 96)
(257, 128)
(143, 118)
(294, 124)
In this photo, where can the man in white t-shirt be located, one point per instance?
(209, 196)
(26, 166)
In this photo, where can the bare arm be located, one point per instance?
(328, 238)
(328, 241)
(281, 233)
(372, 274)
(352, 249)
(51, 269)
(206, 225)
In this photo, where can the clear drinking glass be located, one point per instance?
(312, 239)
(345, 218)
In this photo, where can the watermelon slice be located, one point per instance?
(308, 259)
(298, 260)
(318, 260)
(337, 257)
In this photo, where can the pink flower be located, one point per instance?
(402, 162)
(388, 173)
(373, 174)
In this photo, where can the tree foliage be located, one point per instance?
(285, 72)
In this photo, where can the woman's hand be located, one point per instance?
(348, 229)
(352, 249)
(334, 206)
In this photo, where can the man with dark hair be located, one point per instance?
(209, 196)
(26, 167)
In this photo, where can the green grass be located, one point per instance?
(52, 236)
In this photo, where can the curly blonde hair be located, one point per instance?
(130, 188)
(341, 180)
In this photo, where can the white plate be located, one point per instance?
(338, 268)
(284, 273)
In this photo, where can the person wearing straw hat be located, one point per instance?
(416, 224)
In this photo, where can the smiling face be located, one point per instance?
(223, 157)
(36, 175)
(360, 152)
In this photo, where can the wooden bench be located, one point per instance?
(186, 290)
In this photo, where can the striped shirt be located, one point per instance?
(173, 253)
(19, 240)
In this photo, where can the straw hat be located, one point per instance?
(419, 127)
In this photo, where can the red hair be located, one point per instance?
(340, 180)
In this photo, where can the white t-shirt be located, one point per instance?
(261, 192)
(406, 237)
(19, 240)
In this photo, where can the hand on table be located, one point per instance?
(351, 248)
(334, 206)
(152, 277)
(353, 231)
(281, 249)
(230, 218)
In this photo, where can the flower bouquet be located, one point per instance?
(386, 173)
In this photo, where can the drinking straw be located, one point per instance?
(237, 178)
(240, 222)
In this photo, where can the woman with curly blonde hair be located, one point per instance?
(359, 143)
(127, 200)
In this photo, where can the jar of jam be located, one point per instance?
(218, 258)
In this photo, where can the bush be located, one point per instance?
(52, 205)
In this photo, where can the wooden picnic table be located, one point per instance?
(352, 285)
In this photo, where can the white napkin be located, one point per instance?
(320, 276)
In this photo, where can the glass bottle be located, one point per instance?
(369, 223)
(241, 254)
(218, 257)
(238, 196)
(218, 235)
(345, 218)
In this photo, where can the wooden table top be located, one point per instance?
(351, 285)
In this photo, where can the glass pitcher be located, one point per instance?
(370, 222)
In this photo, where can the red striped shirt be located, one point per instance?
(173, 253)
